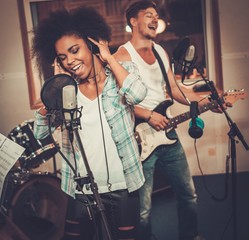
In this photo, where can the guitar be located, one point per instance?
(149, 139)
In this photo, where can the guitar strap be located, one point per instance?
(165, 76)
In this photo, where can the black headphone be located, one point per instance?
(93, 48)
(196, 126)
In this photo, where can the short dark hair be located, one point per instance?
(82, 22)
(133, 10)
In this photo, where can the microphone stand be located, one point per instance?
(233, 132)
(72, 127)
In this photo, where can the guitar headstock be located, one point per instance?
(231, 96)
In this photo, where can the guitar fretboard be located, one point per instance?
(173, 122)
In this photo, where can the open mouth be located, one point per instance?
(153, 27)
(75, 68)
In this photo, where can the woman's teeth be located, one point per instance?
(76, 67)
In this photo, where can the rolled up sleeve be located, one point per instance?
(133, 89)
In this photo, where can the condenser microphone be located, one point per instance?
(188, 61)
(69, 109)
(51, 96)
(69, 102)
(52, 89)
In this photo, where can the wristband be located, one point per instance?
(150, 116)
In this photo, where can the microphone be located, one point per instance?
(58, 94)
(51, 92)
(69, 110)
(188, 61)
(69, 102)
(196, 125)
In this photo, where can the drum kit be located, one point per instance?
(33, 200)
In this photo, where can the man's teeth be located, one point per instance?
(153, 27)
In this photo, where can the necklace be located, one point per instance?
(89, 79)
(97, 74)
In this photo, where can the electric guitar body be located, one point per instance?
(149, 139)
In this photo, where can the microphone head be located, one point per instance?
(69, 102)
(190, 53)
(69, 97)
(52, 90)
(188, 62)
(181, 49)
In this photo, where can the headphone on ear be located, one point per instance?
(196, 126)
(93, 48)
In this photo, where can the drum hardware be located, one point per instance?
(36, 151)
(15, 178)
(33, 201)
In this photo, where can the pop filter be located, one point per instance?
(180, 50)
(51, 92)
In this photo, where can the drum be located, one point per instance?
(15, 177)
(36, 151)
(38, 207)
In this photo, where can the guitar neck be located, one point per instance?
(173, 122)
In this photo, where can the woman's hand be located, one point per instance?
(58, 68)
(104, 52)
(42, 111)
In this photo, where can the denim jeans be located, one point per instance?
(171, 160)
(121, 210)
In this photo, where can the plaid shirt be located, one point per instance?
(118, 108)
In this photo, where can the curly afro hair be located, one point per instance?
(83, 22)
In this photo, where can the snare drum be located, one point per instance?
(38, 207)
(36, 151)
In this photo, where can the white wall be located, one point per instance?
(234, 20)
(212, 146)
(14, 102)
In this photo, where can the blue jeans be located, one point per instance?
(171, 160)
